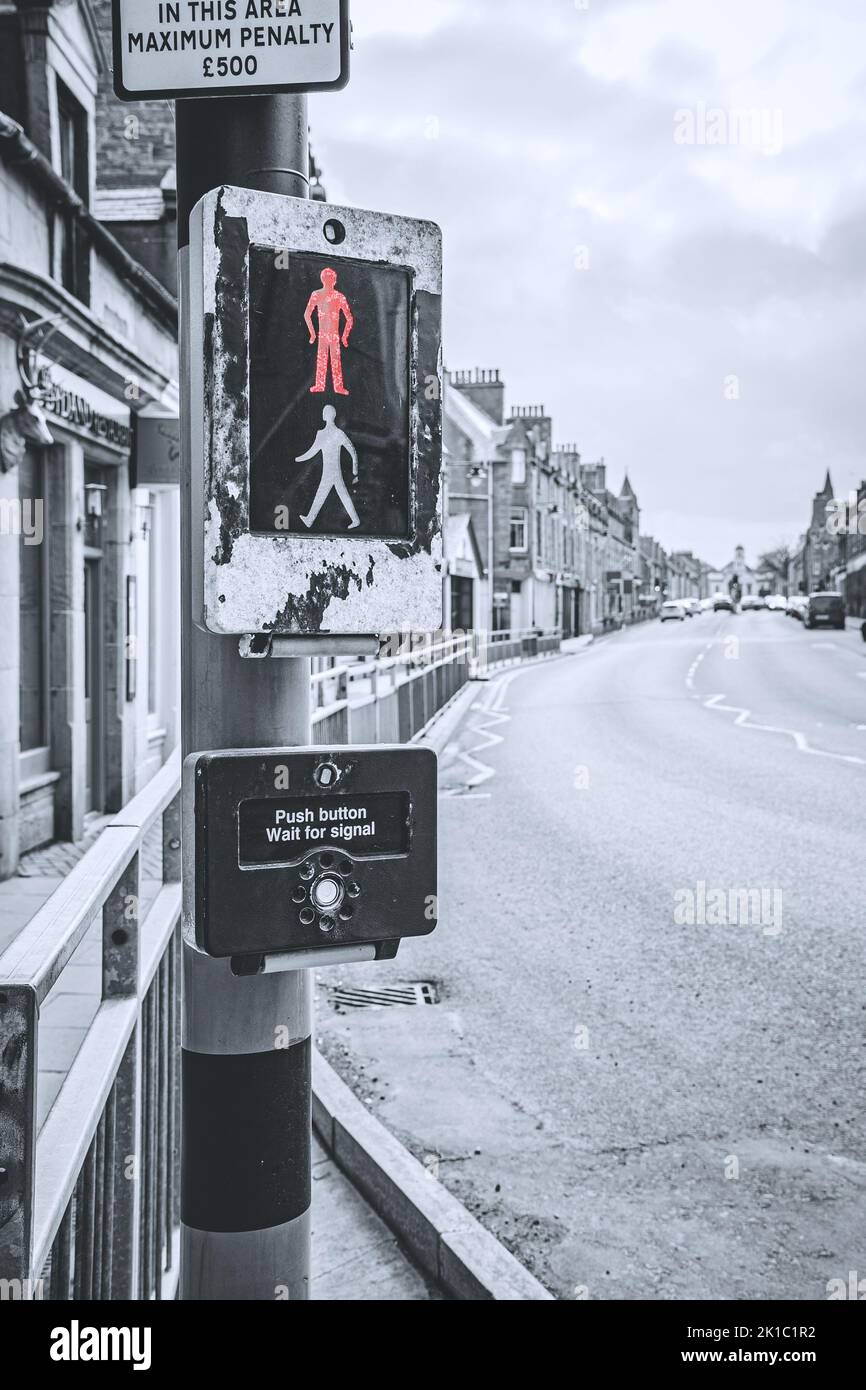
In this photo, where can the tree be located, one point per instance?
(776, 559)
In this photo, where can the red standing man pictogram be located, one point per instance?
(330, 305)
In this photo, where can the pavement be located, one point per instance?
(355, 1257)
(645, 1082)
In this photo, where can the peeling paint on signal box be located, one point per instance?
(316, 584)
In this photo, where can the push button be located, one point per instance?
(326, 893)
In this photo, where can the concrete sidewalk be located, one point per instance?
(355, 1256)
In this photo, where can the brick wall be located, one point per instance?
(135, 140)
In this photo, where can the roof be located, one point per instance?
(484, 433)
(459, 532)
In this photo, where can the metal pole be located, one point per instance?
(246, 1096)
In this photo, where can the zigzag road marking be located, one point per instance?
(488, 715)
(744, 721)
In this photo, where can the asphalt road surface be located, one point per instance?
(645, 1087)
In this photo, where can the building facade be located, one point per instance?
(854, 551)
(90, 539)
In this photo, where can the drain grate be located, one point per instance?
(350, 997)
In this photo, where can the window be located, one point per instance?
(517, 539)
(33, 629)
(518, 465)
(74, 250)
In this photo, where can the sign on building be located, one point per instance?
(201, 48)
(315, 413)
(155, 459)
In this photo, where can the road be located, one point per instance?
(642, 1094)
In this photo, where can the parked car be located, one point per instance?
(706, 605)
(796, 606)
(672, 611)
(751, 603)
(825, 610)
(723, 604)
(776, 603)
(692, 606)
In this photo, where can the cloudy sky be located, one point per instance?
(683, 288)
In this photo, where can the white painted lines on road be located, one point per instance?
(693, 669)
(486, 715)
(745, 721)
(484, 718)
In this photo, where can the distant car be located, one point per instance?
(825, 610)
(706, 605)
(776, 603)
(672, 612)
(723, 604)
(795, 606)
(692, 606)
(751, 604)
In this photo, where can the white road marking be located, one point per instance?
(693, 669)
(489, 714)
(745, 721)
(485, 718)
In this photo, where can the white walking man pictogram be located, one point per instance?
(330, 443)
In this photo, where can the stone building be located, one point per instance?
(739, 577)
(823, 552)
(88, 376)
(622, 567)
(854, 550)
(540, 531)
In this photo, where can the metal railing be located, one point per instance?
(391, 699)
(89, 1203)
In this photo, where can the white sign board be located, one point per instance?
(200, 48)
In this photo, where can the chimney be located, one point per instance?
(483, 389)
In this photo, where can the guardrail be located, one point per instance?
(390, 699)
(89, 1204)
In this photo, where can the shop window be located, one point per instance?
(462, 604)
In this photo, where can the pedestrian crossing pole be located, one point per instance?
(246, 1098)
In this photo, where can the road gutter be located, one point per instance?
(444, 1239)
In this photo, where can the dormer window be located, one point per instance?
(518, 466)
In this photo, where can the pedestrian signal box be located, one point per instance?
(315, 416)
(307, 850)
